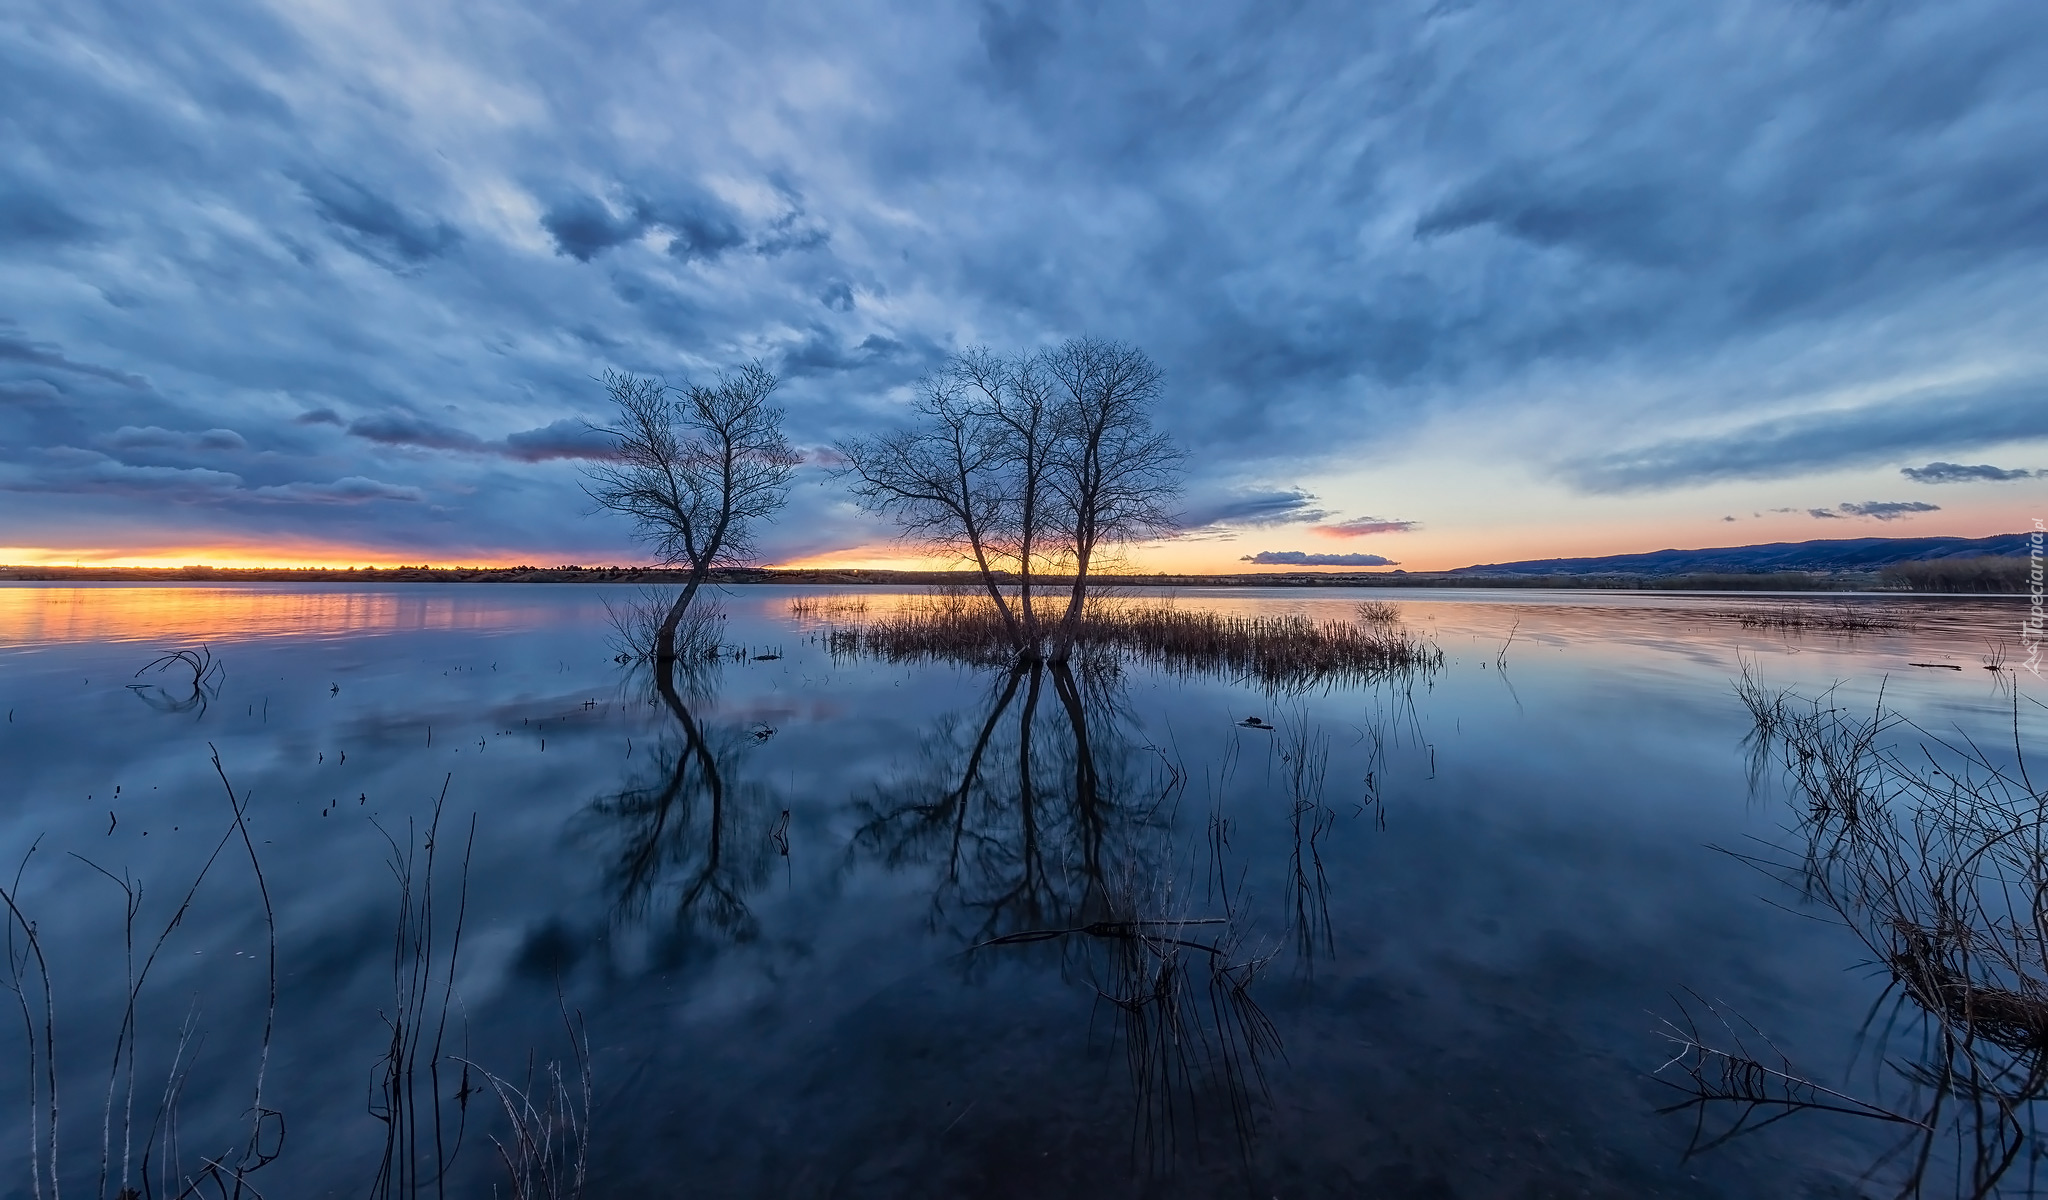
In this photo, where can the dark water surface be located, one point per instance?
(1474, 893)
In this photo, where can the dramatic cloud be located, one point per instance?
(1948, 472)
(584, 227)
(566, 438)
(1249, 509)
(375, 226)
(1301, 558)
(398, 429)
(1868, 433)
(1628, 248)
(1363, 526)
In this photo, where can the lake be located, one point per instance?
(834, 926)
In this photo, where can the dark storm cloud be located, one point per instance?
(583, 226)
(570, 437)
(400, 429)
(1333, 225)
(1948, 472)
(1302, 558)
(566, 438)
(375, 225)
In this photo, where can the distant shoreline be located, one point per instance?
(1775, 581)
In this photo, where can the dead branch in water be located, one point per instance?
(208, 674)
(1936, 858)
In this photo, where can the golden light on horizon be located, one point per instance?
(323, 557)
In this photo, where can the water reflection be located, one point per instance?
(693, 837)
(1934, 855)
(1045, 828)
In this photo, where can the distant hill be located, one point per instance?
(1832, 554)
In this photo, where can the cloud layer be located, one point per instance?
(1302, 558)
(349, 273)
(1948, 472)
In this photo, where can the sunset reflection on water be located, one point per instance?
(41, 614)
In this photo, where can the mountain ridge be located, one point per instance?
(1821, 554)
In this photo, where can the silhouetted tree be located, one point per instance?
(1030, 463)
(696, 468)
(939, 479)
(1113, 475)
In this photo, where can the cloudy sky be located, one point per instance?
(1435, 283)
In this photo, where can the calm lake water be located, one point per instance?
(785, 907)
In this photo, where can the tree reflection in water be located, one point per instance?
(692, 835)
(1049, 825)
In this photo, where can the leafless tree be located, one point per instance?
(1114, 475)
(1015, 397)
(939, 479)
(1027, 464)
(697, 468)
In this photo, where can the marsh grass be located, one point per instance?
(150, 1148)
(1280, 651)
(135, 1163)
(1378, 612)
(546, 1150)
(1833, 618)
(426, 949)
(827, 608)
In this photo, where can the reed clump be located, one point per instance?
(1276, 650)
(827, 608)
(1837, 618)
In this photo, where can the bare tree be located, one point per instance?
(697, 469)
(1027, 463)
(1015, 398)
(1114, 475)
(939, 479)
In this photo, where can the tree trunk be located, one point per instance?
(1077, 602)
(665, 637)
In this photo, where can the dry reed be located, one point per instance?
(824, 608)
(1935, 857)
(1283, 650)
(1838, 618)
